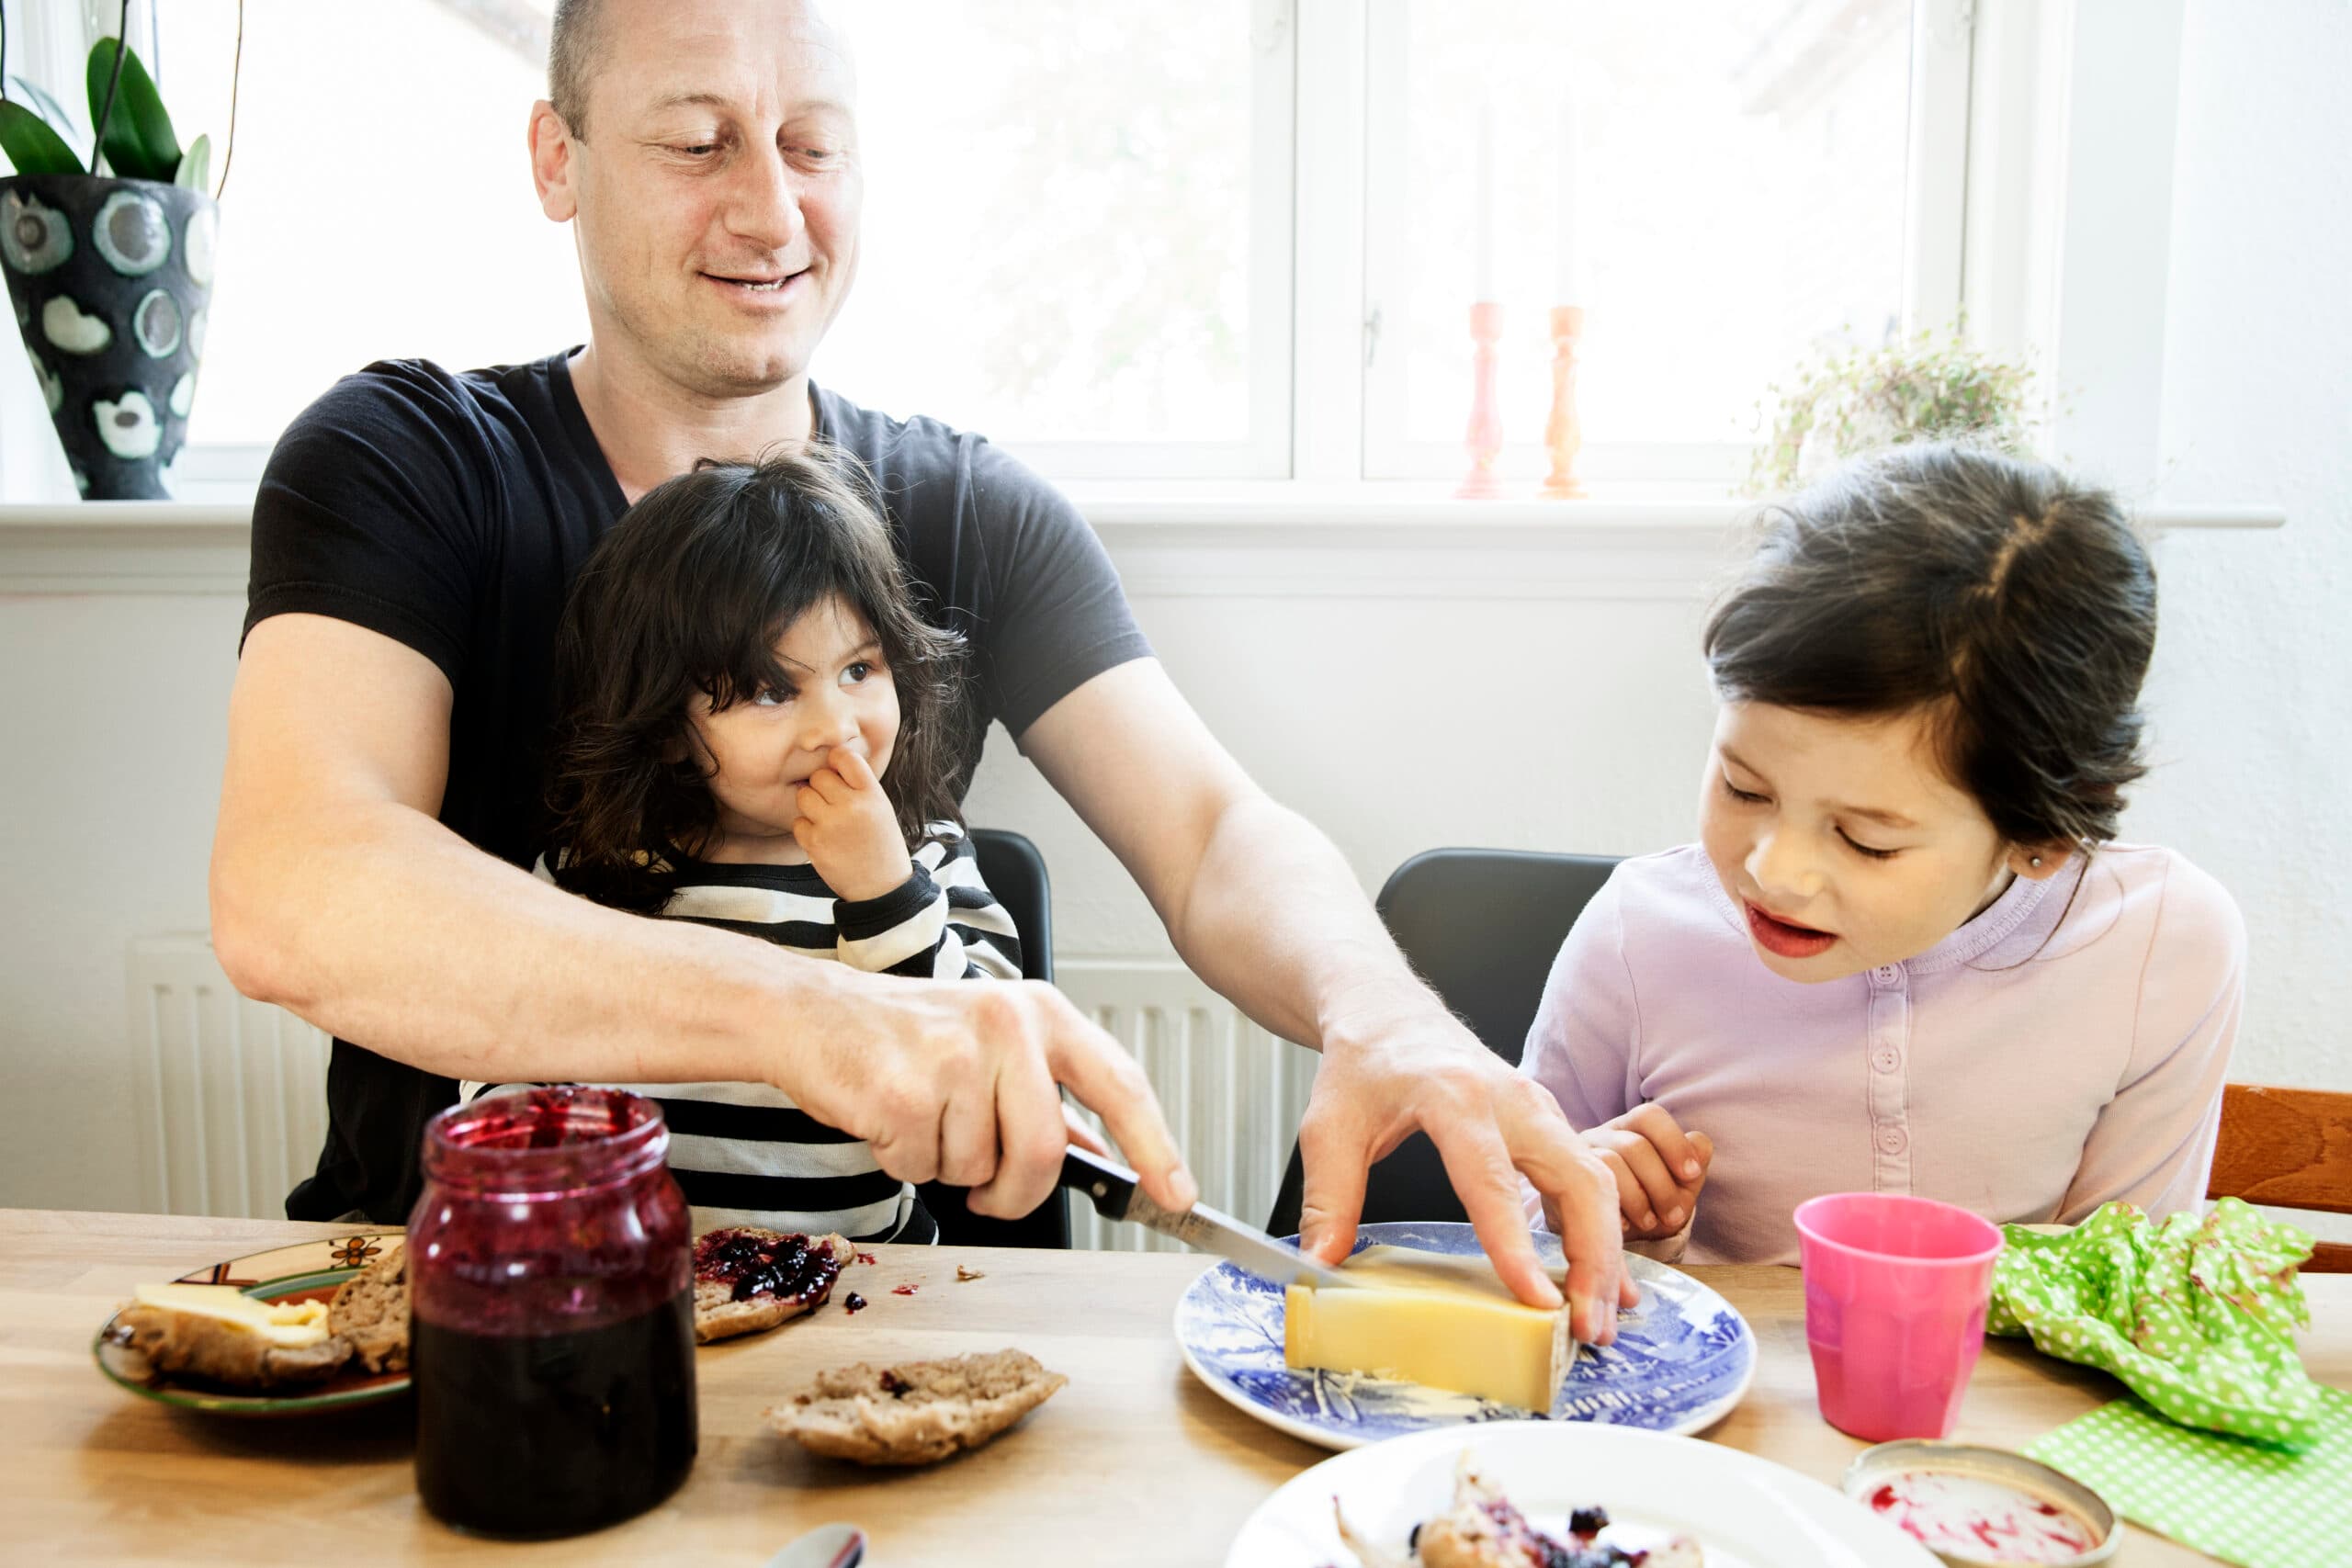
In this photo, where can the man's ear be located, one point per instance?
(552, 153)
(2036, 863)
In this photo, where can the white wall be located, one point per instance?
(1400, 720)
(2252, 692)
(1400, 725)
(111, 742)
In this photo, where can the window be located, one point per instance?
(378, 203)
(1077, 229)
(1734, 198)
(1136, 241)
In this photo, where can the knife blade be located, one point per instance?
(1113, 1191)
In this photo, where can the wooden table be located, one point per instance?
(1134, 1463)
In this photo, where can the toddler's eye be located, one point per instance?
(1864, 849)
(853, 674)
(769, 697)
(1745, 797)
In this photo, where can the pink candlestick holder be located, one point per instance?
(1564, 431)
(1485, 440)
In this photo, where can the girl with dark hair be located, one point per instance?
(1907, 954)
(756, 730)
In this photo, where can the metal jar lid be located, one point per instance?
(1876, 1467)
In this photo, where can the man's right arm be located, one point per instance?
(337, 895)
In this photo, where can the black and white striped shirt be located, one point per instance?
(742, 1152)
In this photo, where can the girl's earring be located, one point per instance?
(2036, 861)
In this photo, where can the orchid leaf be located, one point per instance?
(32, 147)
(137, 137)
(196, 167)
(61, 119)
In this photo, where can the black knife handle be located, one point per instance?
(1110, 1187)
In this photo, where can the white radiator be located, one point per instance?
(231, 1103)
(232, 1093)
(1232, 1092)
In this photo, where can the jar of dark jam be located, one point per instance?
(552, 1293)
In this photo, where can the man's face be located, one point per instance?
(717, 194)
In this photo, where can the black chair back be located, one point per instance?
(1016, 873)
(1482, 927)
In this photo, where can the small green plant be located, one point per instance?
(1929, 389)
(134, 138)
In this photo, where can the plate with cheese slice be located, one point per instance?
(1434, 1340)
(252, 1335)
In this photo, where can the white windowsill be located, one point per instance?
(1381, 503)
(1378, 539)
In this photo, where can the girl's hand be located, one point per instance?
(1659, 1169)
(850, 829)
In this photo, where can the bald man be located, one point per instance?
(414, 540)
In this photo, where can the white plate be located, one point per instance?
(1745, 1512)
(1681, 1360)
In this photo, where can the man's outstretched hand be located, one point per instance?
(1390, 1070)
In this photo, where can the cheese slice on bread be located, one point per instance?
(223, 1336)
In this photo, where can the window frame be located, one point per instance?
(1275, 181)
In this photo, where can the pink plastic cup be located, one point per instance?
(1894, 1295)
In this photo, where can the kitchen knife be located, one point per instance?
(1112, 1189)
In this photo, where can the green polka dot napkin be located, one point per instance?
(2245, 1503)
(2195, 1313)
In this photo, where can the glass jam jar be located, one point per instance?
(552, 1293)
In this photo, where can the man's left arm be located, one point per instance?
(1263, 908)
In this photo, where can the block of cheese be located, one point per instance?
(292, 1324)
(1425, 1317)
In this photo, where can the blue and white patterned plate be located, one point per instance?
(1682, 1358)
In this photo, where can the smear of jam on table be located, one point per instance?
(902, 1290)
(784, 1267)
(1945, 1511)
(866, 1258)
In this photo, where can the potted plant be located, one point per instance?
(110, 270)
(1926, 389)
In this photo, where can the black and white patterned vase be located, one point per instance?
(111, 279)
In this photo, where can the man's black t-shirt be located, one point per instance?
(450, 512)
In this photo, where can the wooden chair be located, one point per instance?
(2290, 1148)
